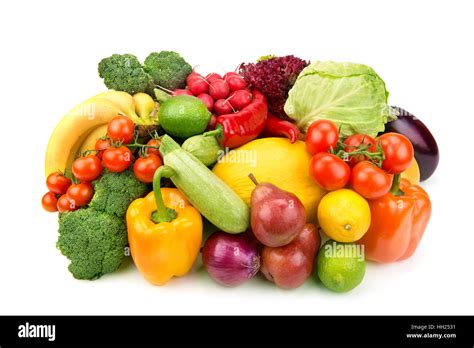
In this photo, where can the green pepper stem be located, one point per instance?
(395, 189)
(162, 214)
(218, 133)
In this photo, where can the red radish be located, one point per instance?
(198, 85)
(222, 107)
(207, 99)
(212, 123)
(230, 74)
(212, 77)
(182, 92)
(192, 76)
(240, 99)
(219, 89)
(236, 83)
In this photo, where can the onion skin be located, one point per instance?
(230, 259)
(424, 144)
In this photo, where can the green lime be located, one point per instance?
(341, 266)
(184, 116)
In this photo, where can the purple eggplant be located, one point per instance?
(426, 149)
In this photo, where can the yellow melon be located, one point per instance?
(273, 160)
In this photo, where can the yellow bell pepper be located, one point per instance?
(164, 233)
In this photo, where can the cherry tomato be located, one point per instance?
(49, 201)
(329, 171)
(121, 129)
(80, 194)
(101, 145)
(321, 136)
(153, 150)
(117, 159)
(87, 168)
(145, 167)
(57, 183)
(353, 142)
(370, 181)
(64, 204)
(398, 152)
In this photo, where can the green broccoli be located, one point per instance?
(168, 69)
(94, 241)
(123, 72)
(113, 192)
(94, 238)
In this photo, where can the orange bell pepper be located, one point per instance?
(399, 220)
(164, 233)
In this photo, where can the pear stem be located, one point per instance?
(254, 180)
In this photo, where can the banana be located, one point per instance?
(74, 128)
(144, 104)
(89, 142)
(122, 100)
(79, 129)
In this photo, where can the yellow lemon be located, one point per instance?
(344, 215)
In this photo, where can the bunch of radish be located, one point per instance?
(222, 95)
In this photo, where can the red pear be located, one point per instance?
(289, 266)
(276, 216)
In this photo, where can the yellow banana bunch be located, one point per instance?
(79, 129)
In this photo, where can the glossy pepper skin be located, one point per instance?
(165, 249)
(233, 130)
(398, 223)
(278, 127)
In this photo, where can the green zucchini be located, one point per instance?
(204, 190)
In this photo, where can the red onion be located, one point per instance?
(230, 259)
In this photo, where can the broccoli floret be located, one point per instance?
(113, 192)
(168, 69)
(94, 241)
(123, 72)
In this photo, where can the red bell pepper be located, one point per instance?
(233, 130)
(278, 127)
(399, 220)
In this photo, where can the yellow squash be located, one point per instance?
(273, 160)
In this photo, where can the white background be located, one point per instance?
(48, 62)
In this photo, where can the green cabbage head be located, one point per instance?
(351, 95)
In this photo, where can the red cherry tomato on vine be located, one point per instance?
(101, 145)
(64, 204)
(121, 129)
(87, 168)
(80, 194)
(49, 202)
(398, 152)
(321, 136)
(57, 183)
(155, 149)
(117, 159)
(145, 167)
(353, 142)
(370, 181)
(329, 171)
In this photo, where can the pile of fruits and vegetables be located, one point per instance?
(286, 168)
